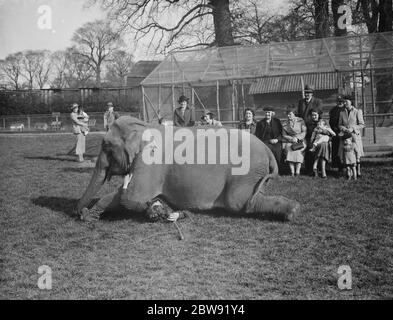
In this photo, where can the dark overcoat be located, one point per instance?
(266, 132)
(188, 120)
(304, 108)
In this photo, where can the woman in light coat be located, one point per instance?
(78, 127)
(351, 121)
(294, 131)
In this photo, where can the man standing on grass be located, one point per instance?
(334, 117)
(308, 103)
(110, 116)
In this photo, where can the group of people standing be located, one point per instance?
(306, 138)
(184, 115)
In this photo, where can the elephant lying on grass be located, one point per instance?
(179, 166)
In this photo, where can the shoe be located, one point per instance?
(324, 177)
(315, 173)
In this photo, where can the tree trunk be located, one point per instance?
(367, 8)
(322, 29)
(224, 37)
(98, 76)
(338, 32)
(385, 16)
(384, 83)
(222, 23)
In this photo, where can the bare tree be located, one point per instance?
(96, 41)
(378, 16)
(168, 21)
(79, 71)
(118, 67)
(251, 24)
(12, 68)
(30, 67)
(43, 67)
(60, 64)
(322, 25)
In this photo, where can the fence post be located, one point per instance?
(4, 123)
(373, 99)
(28, 123)
(218, 100)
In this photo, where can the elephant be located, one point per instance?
(128, 149)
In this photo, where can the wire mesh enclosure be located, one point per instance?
(246, 62)
(219, 78)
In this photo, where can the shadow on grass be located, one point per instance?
(79, 170)
(51, 158)
(222, 213)
(68, 205)
(59, 204)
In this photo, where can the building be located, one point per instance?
(140, 71)
(281, 91)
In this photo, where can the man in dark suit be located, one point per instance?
(334, 117)
(309, 103)
(304, 111)
(184, 115)
(269, 131)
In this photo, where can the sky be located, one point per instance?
(23, 25)
(20, 27)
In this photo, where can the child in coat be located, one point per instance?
(82, 116)
(349, 158)
(321, 134)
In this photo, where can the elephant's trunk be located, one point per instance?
(96, 182)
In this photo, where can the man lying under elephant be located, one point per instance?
(186, 183)
(157, 209)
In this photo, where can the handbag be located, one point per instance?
(297, 146)
(345, 135)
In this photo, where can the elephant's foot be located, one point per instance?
(273, 207)
(91, 215)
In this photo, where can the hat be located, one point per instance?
(74, 105)
(268, 108)
(109, 104)
(340, 98)
(308, 88)
(206, 113)
(182, 98)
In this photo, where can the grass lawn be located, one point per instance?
(222, 257)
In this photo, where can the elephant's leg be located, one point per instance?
(273, 207)
(110, 202)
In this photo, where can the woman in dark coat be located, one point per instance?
(269, 131)
(322, 152)
(184, 116)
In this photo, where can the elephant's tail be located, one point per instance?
(273, 166)
(260, 186)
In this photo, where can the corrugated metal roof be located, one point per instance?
(290, 83)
